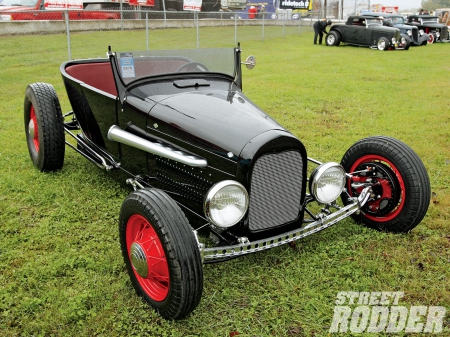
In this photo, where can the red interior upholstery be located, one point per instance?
(97, 75)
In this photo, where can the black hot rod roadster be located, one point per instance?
(214, 177)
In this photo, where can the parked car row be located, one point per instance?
(384, 31)
(412, 33)
(430, 25)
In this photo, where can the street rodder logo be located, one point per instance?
(359, 312)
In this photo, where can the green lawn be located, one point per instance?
(62, 272)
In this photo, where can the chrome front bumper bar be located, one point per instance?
(225, 252)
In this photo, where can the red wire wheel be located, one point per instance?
(389, 187)
(400, 187)
(147, 257)
(161, 253)
(33, 129)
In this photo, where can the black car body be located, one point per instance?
(214, 177)
(430, 25)
(367, 32)
(417, 38)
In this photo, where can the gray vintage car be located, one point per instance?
(429, 24)
(366, 32)
(417, 37)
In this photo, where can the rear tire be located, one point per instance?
(333, 39)
(161, 253)
(401, 187)
(44, 127)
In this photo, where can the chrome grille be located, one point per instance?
(444, 33)
(276, 189)
(415, 35)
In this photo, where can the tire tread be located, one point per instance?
(418, 191)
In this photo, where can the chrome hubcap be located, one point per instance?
(139, 259)
(31, 130)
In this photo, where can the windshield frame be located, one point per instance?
(122, 86)
(136, 66)
(374, 21)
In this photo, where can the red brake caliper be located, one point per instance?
(388, 189)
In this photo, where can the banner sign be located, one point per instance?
(192, 5)
(295, 4)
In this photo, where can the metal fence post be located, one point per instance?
(235, 29)
(164, 10)
(146, 28)
(263, 27)
(121, 15)
(66, 19)
(196, 23)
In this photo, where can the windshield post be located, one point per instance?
(237, 66)
(120, 87)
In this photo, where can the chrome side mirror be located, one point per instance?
(250, 62)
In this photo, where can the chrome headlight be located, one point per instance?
(403, 41)
(393, 40)
(327, 182)
(438, 34)
(226, 203)
(409, 32)
(421, 32)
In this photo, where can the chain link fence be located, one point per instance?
(138, 29)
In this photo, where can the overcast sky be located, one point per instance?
(350, 5)
(402, 4)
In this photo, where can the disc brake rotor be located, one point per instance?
(386, 190)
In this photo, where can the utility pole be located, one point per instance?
(325, 9)
(342, 9)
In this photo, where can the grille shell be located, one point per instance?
(276, 190)
(415, 35)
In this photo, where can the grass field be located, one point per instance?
(62, 273)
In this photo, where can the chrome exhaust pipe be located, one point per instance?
(116, 134)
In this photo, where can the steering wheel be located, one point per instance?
(192, 67)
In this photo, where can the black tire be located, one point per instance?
(401, 186)
(407, 43)
(44, 127)
(383, 43)
(333, 39)
(152, 223)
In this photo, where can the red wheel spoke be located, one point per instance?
(33, 119)
(156, 282)
(382, 183)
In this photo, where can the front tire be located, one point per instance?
(383, 43)
(401, 187)
(406, 43)
(161, 253)
(44, 127)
